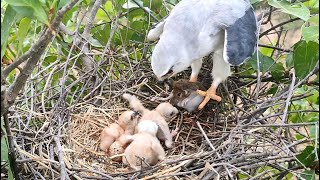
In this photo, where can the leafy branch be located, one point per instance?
(31, 58)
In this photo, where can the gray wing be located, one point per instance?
(241, 39)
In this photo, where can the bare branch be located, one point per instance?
(278, 25)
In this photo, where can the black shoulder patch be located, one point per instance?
(241, 39)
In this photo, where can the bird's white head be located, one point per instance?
(167, 62)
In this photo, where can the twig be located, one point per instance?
(276, 48)
(11, 151)
(278, 25)
(148, 11)
(284, 125)
(290, 93)
(92, 171)
(63, 171)
(212, 147)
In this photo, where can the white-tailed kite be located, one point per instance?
(196, 28)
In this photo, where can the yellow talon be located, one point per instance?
(209, 94)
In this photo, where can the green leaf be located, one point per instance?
(313, 5)
(131, 4)
(108, 6)
(289, 176)
(63, 3)
(242, 176)
(273, 90)
(136, 15)
(313, 131)
(267, 64)
(298, 9)
(30, 8)
(299, 136)
(309, 175)
(307, 156)
(23, 30)
(154, 5)
(68, 17)
(10, 174)
(289, 60)
(314, 20)
(314, 97)
(95, 42)
(4, 149)
(305, 57)
(8, 20)
(102, 34)
(266, 51)
(310, 33)
(277, 71)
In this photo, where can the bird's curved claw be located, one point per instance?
(209, 94)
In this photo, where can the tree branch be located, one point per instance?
(278, 25)
(32, 57)
(86, 35)
(11, 152)
(276, 48)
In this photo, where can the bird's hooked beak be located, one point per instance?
(169, 74)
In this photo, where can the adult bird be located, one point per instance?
(196, 28)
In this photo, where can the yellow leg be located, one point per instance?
(209, 94)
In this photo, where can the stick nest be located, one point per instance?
(57, 133)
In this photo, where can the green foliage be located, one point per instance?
(310, 30)
(307, 156)
(296, 9)
(305, 57)
(309, 175)
(130, 4)
(8, 20)
(24, 26)
(4, 150)
(306, 104)
(267, 64)
(31, 9)
(5, 160)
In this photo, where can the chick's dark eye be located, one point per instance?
(179, 94)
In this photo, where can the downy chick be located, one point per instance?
(159, 115)
(144, 148)
(126, 123)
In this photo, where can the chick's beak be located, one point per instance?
(134, 115)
